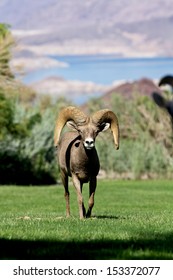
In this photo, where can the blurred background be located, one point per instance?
(93, 54)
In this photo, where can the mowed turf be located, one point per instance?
(130, 220)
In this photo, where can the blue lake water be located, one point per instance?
(105, 69)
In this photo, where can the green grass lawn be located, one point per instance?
(130, 220)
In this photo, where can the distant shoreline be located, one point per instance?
(80, 76)
(36, 63)
(100, 69)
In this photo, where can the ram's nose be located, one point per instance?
(89, 143)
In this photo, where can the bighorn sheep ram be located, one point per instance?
(77, 154)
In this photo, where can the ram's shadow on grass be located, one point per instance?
(111, 217)
(153, 248)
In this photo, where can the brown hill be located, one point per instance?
(143, 86)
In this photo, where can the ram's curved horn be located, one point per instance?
(166, 80)
(67, 114)
(107, 116)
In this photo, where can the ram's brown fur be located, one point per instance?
(77, 155)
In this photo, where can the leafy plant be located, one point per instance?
(145, 140)
(26, 148)
(6, 42)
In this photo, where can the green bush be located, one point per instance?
(145, 140)
(27, 154)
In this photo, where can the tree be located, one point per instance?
(6, 42)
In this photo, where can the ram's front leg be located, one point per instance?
(92, 188)
(64, 178)
(78, 186)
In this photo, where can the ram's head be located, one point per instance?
(87, 127)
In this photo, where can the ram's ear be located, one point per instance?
(72, 124)
(104, 126)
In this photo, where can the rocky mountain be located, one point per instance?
(128, 90)
(59, 27)
(125, 28)
(144, 87)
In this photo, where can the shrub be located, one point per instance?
(26, 148)
(145, 140)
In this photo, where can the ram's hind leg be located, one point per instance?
(92, 188)
(64, 178)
